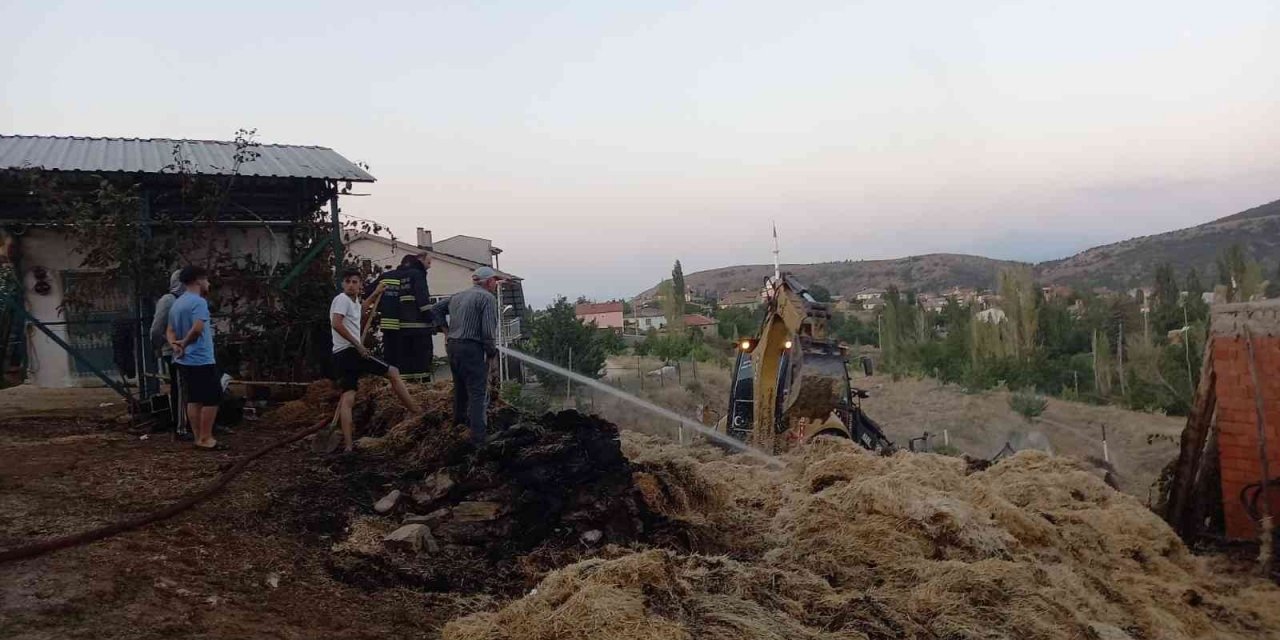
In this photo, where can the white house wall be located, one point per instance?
(49, 365)
(443, 278)
(474, 249)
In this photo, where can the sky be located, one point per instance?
(597, 142)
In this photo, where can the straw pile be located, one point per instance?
(845, 544)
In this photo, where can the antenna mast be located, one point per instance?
(777, 273)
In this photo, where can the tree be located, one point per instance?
(559, 337)
(736, 322)
(891, 329)
(1241, 274)
(1020, 301)
(1102, 369)
(1273, 287)
(1197, 309)
(1165, 312)
(674, 304)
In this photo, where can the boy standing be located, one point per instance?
(190, 334)
(351, 358)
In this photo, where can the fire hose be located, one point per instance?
(93, 535)
(1249, 498)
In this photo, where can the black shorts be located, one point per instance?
(349, 366)
(200, 384)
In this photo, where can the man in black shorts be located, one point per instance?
(190, 334)
(350, 357)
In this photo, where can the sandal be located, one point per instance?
(218, 446)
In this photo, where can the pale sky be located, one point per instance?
(597, 142)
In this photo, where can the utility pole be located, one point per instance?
(1186, 349)
(1106, 455)
(1120, 360)
(502, 357)
(1097, 379)
(1146, 326)
(568, 382)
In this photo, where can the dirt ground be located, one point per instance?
(255, 561)
(29, 400)
(981, 423)
(248, 563)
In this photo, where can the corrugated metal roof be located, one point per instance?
(153, 155)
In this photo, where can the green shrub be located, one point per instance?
(525, 400)
(947, 450)
(1028, 404)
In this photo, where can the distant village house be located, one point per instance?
(744, 299)
(606, 315)
(698, 322)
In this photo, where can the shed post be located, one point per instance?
(337, 238)
(147, 386)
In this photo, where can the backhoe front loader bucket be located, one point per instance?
(816, 378)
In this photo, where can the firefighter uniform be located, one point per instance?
(406, 321)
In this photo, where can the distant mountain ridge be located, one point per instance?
(1120, 265)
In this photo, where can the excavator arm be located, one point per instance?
(799, 372)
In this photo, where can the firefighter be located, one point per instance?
(405, 320)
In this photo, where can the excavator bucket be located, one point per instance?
(814, 389)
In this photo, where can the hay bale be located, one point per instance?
(851, 545)
(318, 401)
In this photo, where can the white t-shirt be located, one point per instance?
(350, 310)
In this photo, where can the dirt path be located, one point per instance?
(204, 574)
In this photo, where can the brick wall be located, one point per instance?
(1238, 446)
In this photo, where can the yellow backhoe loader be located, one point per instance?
(791, 381)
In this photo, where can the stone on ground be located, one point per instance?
(411, 538)
(388, 502)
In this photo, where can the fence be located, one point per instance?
(684, 386)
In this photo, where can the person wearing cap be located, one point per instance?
(159, 325)
(472, 330)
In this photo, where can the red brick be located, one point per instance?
(1236, 473)
(1224, 349)
(1231, 451)
(1236, 415)
(1235, 401)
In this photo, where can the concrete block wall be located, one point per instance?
(1238, 441)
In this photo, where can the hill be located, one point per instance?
(1132, 262)
(930, 272)
(1120, 265)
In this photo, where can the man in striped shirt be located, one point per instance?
(473, 325)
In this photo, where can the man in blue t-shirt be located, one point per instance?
(190, 332)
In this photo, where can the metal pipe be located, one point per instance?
(75, 353)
